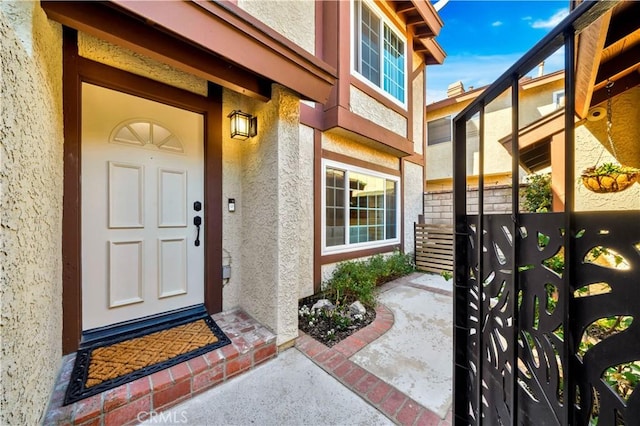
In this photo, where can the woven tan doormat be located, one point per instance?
(106, 366)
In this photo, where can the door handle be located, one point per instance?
(197, 221)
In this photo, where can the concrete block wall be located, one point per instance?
(438, 205)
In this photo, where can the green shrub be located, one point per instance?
(537, 195)
(357, 280)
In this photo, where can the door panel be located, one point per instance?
(142, 170)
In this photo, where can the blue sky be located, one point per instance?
(483, 39)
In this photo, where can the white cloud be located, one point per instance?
(496, 23)
(527, 18)
(552, 21)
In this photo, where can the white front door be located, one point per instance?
(142, 173)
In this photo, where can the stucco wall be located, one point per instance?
(591, 144)
(292, 19)
(271, 207)
(306, 212)
(369, 108)
(349, 147)
(537, 102)
(31, 210)
(413, 201)
(232, 222)
(119, 57)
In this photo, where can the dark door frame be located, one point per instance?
(77, 70)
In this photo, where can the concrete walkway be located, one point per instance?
(395, 371)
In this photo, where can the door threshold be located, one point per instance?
(134, 328)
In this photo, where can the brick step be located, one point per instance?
(131, 403)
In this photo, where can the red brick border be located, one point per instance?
(397, 406)
(252, 344)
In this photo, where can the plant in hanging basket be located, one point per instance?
(609, 177)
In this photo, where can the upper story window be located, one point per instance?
(379, 52)
(439, 130)
(361, 208)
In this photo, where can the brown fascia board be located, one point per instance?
(466, 96)
(472, 94)
(542, 80)
(541, 129)
(97, 19)
(224, 32)
(432, 51)
(429, 15)
(342, 121)
(228, 31)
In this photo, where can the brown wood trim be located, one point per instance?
(311, 117)
(334, 156)
(402, 212)
(213, 200)
(71, 220)
(330, 43)
(415, 159)
(380, 97)
(98, 20)
(341, 257)
(317, 210)
(410, 107)
(77, 70)
(230, 32)
(344, 51)
(385, 139)
(123, 81)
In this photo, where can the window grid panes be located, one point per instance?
(369, 46)
(379, 53)
(393, 64)
(372, 210)
(334, 190)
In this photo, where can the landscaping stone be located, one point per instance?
(357, 308)
(323, 304)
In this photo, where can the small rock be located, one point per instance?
(323, 304)
(357, 308)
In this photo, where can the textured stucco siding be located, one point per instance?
(418, 113)
(271, 206)
(591, 140)
(346, 146)
(537, 102)
(413, 182)
(31, 172)
(306, 212)
(369, 108)
(292, 19)
(439, 161)
(232, 188)
(119, 57)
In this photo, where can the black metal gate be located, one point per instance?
(528, 287)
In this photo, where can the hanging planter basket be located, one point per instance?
(609, 178)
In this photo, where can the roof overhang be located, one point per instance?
(424, 24)
(216, 41)
(534, 140)
(608, 50)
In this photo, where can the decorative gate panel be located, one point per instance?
(605, 266)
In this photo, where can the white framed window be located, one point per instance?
(439, 130)
(558, 98)
(361, 208)
(379, 51)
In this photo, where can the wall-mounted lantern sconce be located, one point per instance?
(243, 125)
